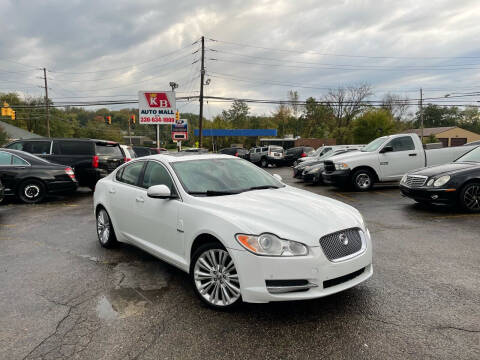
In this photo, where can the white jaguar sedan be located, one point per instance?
(238, 231)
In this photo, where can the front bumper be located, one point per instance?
(337, 177)
(323, 277)
(431, 195)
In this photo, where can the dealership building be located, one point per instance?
(448, 136)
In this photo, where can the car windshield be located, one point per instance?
(222, 176)
(375, 144)
(473, 155)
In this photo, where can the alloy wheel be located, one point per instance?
(471, 197)
(216, 277)
(363, 181)
(103, 226)
(31, 191)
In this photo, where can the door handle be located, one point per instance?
(112, 191)
(412, 154)
(140, 199)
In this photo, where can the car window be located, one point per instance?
(16, 146)
(37, 147)
(264, 149)
(5, 158)
(18, 161)
(109, 150)
(403, 143)
(142, 151)
(131, 173)
(156, 174)
(73, 148)
(258, 150)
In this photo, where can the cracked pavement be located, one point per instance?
(62, 296)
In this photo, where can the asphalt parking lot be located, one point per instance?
(63, 296)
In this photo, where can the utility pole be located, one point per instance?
(421, 114)
(174, 86)
(47, 110)
(202, 76)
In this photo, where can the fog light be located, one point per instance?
(434, 197)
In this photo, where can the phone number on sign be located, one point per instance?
(156, 120)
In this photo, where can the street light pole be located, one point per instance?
(421, 114)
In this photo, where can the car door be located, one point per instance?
(157, 219)
(11, 168)
(123, 195)
(403, 158)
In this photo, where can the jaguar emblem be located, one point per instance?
(343, 239)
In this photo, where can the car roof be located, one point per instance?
(32, 159)
(172, 157)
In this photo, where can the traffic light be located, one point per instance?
(133, 119)
(177, 115)
(12, 115)
(4, 111)
(108, 120)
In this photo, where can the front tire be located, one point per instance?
(470, 197)
(214, 277)
(362, 180)
(105, 233)
(32, 191)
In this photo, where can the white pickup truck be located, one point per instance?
(385, 159)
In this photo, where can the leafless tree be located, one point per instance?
(397, 105)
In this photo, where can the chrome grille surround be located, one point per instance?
(415, 181)
(336, 250)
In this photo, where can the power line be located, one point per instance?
(298, 51)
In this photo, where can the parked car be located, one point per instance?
(195, 212)
(196, 150)
(266, 155)
(235, 151)
(2, 191)
(298, 170)
(31, 178)
(385, 159)
(145, 151)
(323, 150)
(473, 143)
(128, 152)
(295, 153)
(312, 172)
(451, 184)
(91, 159)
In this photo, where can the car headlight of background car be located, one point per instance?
(442, 180)
(404, 179)
(271, 245)
(341, 166)
(315, 170)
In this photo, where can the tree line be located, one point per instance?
(342, 114)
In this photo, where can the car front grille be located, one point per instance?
(414, 181)
(342, 244)
(329, 166)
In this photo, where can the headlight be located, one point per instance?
(271, 245)
(316, 170)
(341, 166)
(442, 180)
(430, 182)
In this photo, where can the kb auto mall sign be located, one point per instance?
(156, 107)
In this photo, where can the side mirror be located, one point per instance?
(159, 192)
(278, 177)
(386, 149)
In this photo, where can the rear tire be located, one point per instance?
(362, 180)
(105, 233)
(263, 163)
(31, 191)
(470, 197)
(214, 277)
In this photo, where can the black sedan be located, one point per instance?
(31, 178)
(450, 184)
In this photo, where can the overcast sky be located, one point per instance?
(103, 49)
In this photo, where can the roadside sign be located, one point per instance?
(156, 107)
(180, 130)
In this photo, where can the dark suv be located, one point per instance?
(235, 151)
(295, 153)
(91, 159)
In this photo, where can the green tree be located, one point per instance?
(3, 137)
(372, 124)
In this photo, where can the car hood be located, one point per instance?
(287, 212)
(451, 168)
(308, 163)
(349, 156)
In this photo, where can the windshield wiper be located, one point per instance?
(262, 187)
(213, 192)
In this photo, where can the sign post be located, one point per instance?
(180, 132)
(156, 108)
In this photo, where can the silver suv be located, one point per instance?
(265, 155)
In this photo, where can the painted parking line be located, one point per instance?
(345, 196)
(387, 194)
